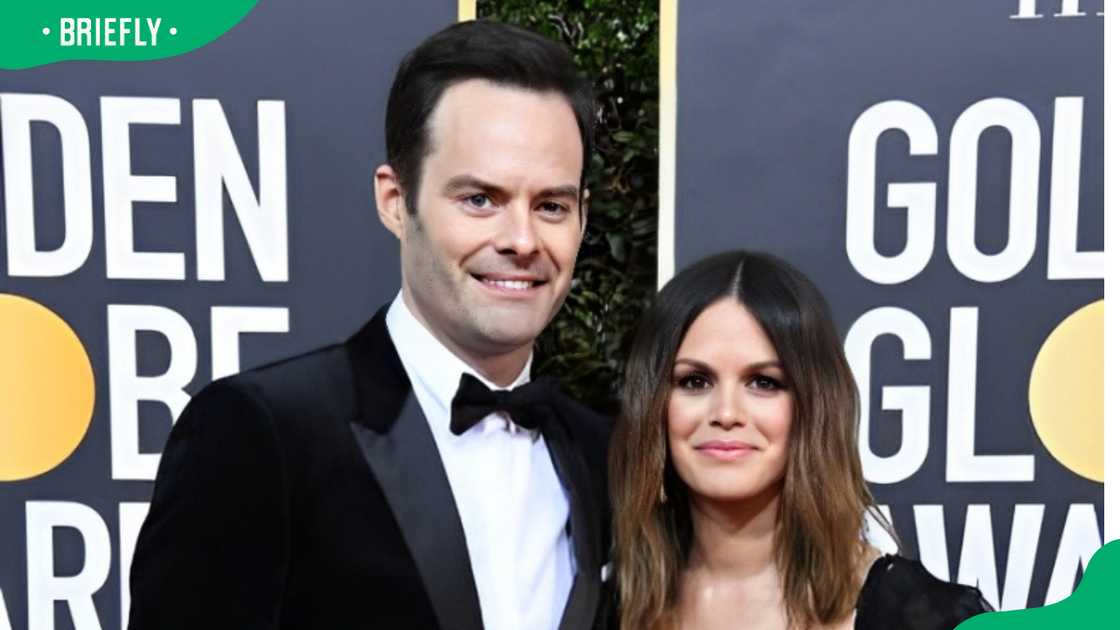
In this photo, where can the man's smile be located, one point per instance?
(509, 284)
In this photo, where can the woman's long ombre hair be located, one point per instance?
(819, 543)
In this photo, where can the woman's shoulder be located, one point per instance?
(900, 593)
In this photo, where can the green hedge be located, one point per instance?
(615, 44)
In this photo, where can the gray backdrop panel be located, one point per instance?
(768, 92)
(332, 64)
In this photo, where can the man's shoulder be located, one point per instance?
(306, 382)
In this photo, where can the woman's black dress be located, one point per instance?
(898, 594)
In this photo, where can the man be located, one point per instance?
(380, 483)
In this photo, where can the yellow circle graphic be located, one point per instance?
(1067, 392)
(46, 389)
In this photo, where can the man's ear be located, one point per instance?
(584, 207)
(389, 196)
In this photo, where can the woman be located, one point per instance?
(738, 497)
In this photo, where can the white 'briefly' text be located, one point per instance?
(113, 31)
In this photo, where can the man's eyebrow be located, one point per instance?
(567, 192)
(459, 183)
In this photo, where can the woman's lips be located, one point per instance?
(725, 449)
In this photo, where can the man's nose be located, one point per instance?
(518, 235)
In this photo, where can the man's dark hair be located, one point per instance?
(480, 49)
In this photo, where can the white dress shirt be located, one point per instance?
(513, 508)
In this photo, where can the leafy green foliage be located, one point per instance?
(615, 44)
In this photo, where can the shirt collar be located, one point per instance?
(430, 364)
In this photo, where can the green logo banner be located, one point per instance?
(46, 31)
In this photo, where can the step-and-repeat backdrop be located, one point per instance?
(166, 223)
(937, 169)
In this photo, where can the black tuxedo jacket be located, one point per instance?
(310, 494)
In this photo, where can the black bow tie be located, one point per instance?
(474, 401)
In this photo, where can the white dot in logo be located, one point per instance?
(173, 31)
(46, 30)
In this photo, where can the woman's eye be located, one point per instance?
(692, 381)
(766, 383)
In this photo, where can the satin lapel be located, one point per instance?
(579, 613)
(406, 463)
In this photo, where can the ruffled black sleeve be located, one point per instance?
(900, 594)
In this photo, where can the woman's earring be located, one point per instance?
(662, 497)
